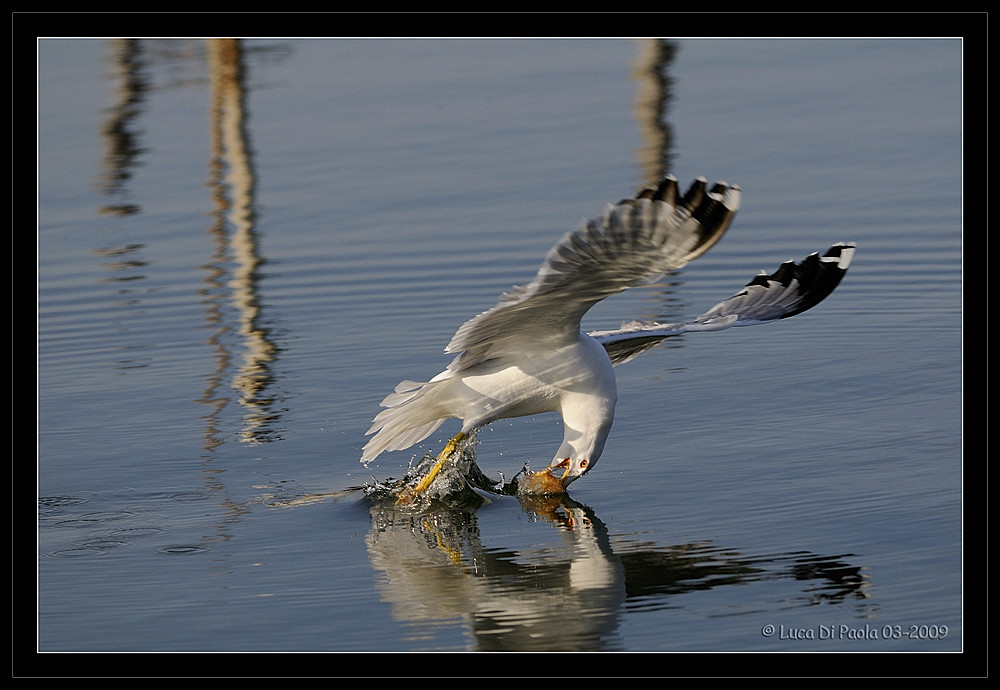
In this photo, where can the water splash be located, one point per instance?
(460, 481)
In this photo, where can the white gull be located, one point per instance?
(527, 355)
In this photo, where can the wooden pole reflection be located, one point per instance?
(234, 279)
(650, 70)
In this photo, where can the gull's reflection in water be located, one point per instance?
(566, 596)
(569, 592)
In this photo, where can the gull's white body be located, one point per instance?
(575, 380)
(527, 355)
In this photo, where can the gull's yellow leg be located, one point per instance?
(421, 486)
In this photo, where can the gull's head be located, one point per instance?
(581, 448)
(569, 469)
(586, 423)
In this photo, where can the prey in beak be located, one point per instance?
(552, 480)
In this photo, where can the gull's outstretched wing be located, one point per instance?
(635, 242)
(790, 290)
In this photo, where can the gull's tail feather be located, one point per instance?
(411, 415)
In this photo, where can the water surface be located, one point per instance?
(243, 247)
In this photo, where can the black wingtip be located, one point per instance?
(818, 276)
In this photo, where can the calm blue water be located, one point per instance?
(241, 252)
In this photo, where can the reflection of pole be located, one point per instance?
(651, 102)
(652, 99)
(233, 183)
(124, 265)
(121, 146)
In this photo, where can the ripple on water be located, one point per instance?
(73, 533)
(97, 547)
(182, 549)
(51, 504)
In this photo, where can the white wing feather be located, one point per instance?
(635, 242)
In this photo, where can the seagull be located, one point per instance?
(528, 355)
